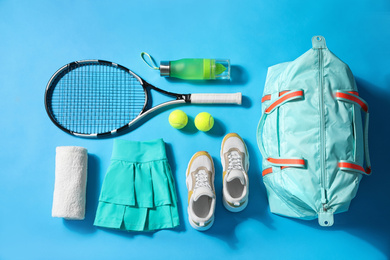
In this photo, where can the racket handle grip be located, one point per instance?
(234, 98)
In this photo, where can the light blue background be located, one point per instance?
(38, 37)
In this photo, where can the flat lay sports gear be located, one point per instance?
(97, 98)
(235, 165)
(200, 176)
(312, 137)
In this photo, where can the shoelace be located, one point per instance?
(201, 179)
(235, 161)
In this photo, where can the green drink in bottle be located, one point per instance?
(192, 69)
(196, 69)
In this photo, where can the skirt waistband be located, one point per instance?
(136, 151)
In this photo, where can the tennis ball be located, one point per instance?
(204, 121)
(178, 119)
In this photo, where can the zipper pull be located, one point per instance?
(323, 196)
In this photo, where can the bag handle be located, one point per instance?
(353, 97)
(283, 99)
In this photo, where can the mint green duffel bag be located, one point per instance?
(311, 136)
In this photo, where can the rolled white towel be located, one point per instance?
(70, 182)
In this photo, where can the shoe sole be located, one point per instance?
(235, 209)
(199, 228)
(225, 203)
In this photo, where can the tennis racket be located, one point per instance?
(97, 98)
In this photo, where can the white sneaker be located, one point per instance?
(201, 192)
(235, 164)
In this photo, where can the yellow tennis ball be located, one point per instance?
(178, 119)
(204, 121)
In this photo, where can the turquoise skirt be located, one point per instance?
(138, 192)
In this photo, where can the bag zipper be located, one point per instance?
(322, 131)
(325, 216)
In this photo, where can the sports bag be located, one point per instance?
(311, 136)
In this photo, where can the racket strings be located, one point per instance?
(95, 98)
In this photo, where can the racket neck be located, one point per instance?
(185, 97)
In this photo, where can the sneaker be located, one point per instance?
(201, 192)
(235, 164)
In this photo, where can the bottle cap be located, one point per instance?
(165, 68)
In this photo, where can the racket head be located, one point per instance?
(94, 98)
